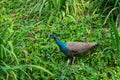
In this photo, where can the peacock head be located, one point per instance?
(52, 36)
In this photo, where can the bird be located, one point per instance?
(71, 49)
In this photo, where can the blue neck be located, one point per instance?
(62, 45)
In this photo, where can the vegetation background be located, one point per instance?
(27, 54)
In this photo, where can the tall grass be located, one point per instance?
(112, 19)
(115, 37)
(9, 62)
(6, 47)
(60, 8)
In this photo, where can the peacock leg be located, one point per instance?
(88, 52)
(73, 60)
(68, 61)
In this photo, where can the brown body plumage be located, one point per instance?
(74, 48)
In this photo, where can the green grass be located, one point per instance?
(27, 53)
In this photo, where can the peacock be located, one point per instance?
(71, 49)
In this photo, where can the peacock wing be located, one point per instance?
(74, 48)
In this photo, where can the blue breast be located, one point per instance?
(62, 45)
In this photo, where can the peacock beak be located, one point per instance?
(48, 38)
